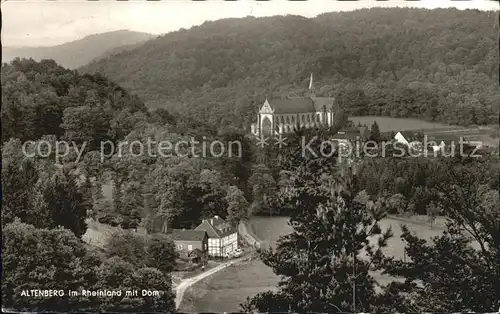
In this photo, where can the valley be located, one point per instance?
(225, 290)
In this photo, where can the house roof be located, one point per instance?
(187, 235)
(195, 253)
(347, 135)
(408, 134)
(446, 138)
(216, 227)
(300, 104)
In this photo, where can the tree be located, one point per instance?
(62, 262)
(163, 116)
(178, 192)
(41, 98)
(117, 196)
(263, 185)
(397, 204)
(152, 279)
(320, 262)
(65, 202)
(237, 209)
(213, 192)
(354, 100)
(131, 202)
(147, 223)
(38, 193)
(19, 176)
(401, 186)
(375, 133)
(457, 271)
(161, 253)
(86, 190)
(128, 246)
(116, 274)
(362, 197)
(238, 167)
(432, 212)
(340, 120)
(421, 198)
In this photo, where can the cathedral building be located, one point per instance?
(280, 116)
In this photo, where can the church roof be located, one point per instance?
(292, 105)
(300, 105)
(319, 102)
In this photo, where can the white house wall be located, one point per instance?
(221, 247)
(214, 248)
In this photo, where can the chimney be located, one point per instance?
(216, 217)
(211, 221)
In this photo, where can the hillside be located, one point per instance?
(79, 52)
(42, 98)
(438, 65)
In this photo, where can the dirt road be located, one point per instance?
(188, 282)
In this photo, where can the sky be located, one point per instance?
(47, 23)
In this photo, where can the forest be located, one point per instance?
(437, 65)
(331, 259)
(46, 203)
(45, 102)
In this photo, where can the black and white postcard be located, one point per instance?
(250, 156)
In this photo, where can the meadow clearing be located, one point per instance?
(225, 290)
(482, 134)
(387, 124)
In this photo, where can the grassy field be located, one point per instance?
(224, 291)
(272, 228)
(388, 124)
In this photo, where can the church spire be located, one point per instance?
(312, 94)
